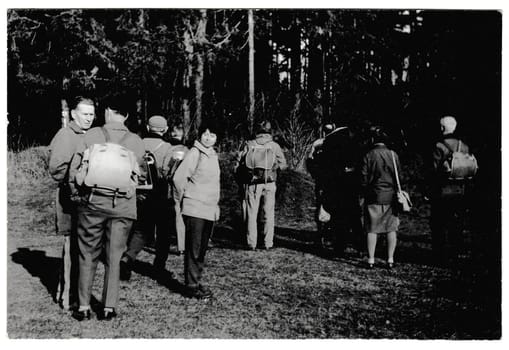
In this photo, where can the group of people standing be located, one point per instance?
(98, 223)
(357, 192)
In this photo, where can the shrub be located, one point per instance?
(28, 166)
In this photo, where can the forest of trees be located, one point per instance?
(401, 68)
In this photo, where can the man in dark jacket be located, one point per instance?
(340, 180)
(448, 206)
(154, 208)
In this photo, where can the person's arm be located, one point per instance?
(61, 152)
(280, 157)
(240, 155)
(183, 173)
(438, 156)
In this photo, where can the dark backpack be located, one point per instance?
(154, 180)
(459, 165)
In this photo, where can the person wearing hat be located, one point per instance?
(104, 220)
(255, 187)
(62, 148)
(153, 205)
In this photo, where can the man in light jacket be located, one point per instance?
(62, 148)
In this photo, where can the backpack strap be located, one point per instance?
(108, 137)
(106, 134)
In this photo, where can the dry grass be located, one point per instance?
(293, 291)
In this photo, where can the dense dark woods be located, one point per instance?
(401, 68)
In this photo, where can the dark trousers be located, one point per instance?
(198, 232)
(346, 225)
(448, 216)
(154, 216)
(95, 233)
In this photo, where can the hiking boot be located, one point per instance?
(125, 271)
(108, 314)
(81, 315)
(199, 292)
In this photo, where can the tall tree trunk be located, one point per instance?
(251, 72)
(65, 113)
(188, 72)
(198, 79)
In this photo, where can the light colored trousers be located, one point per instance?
(252, 198)
(180, 227)
(94, 232)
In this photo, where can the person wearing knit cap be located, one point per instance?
(153, 206)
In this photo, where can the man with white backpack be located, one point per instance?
(454, 167)
(104, 173)
(259, 162)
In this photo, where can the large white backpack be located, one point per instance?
(109, 168)
(259, 161)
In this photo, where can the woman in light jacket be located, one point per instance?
(378, 185)
(196, 188)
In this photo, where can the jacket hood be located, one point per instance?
(208, 151)
(262, 139)
(153, 135)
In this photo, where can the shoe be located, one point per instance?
(180, 252)
(81, 315)
(125, 271)
(371, 265)
(390, 265)
(251, 248)
(206, 292)
(108, 315)
(199, 292)
(268, 248)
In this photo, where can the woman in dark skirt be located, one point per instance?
(378, 184)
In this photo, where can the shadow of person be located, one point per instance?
(164, 278)
(39, 265)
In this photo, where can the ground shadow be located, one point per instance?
(47, 269)
(166, 278)
(39, 265)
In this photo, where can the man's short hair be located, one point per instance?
(75, 101)
(119, 104)
(449, 124)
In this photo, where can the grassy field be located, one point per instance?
(293, 291)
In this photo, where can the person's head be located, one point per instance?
(82, 111)
(378, 135)
(157, 125)
(207, 134)
(448, 124)
(116, 109)
(263, 127)
(177, 132)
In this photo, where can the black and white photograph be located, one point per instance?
(253, 173)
